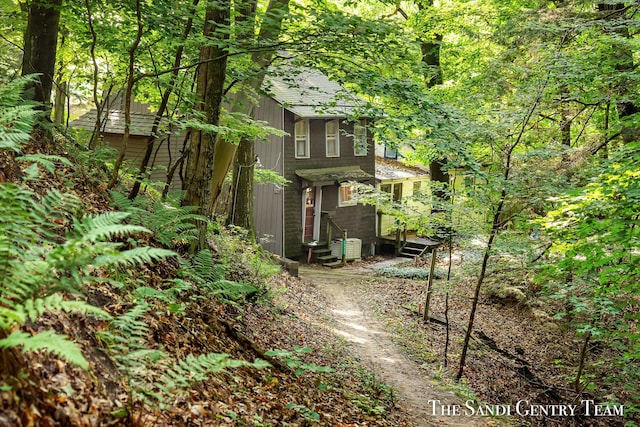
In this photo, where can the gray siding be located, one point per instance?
(269, 199)
(358, 220)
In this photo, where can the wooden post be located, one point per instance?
(404, 234)
(397, 241)
(429, 283)
(344, 247)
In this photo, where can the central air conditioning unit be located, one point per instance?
(353, 248)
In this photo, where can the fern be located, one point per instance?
(47, 161)
(134, 256)
(47, 340)
(17, 117)
(205, 268)
(170, 223)
(210, 276)
(38, 259)
(34, 308)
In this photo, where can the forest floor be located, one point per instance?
(518, 354)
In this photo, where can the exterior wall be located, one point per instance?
(358, 220)
(388, 221)
(269, 199)
(166, 152)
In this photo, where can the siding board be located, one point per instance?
(269, 199)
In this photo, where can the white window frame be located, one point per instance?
(332, 137)
(360, 138)
(344, 203)
(301, 138)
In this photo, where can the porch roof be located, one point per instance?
(330, 176)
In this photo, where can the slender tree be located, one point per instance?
(40, 44)
(244, 102)
(164, 102)
(128, 95)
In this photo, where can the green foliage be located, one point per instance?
(49, 341)
(307, 413)
(246, 261)
(16, 116)
(596, 270)
(46, 248)
(46, 161)
(170, 223)
(36, 261)
(210, 275)
(416, 273)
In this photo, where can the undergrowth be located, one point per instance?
(51, 253)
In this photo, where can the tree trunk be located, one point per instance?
(496, 224)
(244, 102)
(60, 102)
(210, 89)
(622, 56)
(127, 99)
(432, 75)
(40, 44)
(242, 197)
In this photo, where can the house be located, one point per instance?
(168, 147)
(323, 149)
(325, 146)
(402, 182)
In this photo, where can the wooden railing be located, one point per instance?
(401, 232)
(330, 226)
(401, 237)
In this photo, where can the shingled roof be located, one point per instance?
(310, 94)
(305, 92)
(388, 169)
(113, 122)
(330, 176)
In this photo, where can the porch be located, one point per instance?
(406, 244)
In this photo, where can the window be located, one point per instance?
(360, 138)
(394, 189)
(332, 138)
(397, 192)
(302, 139)
(417, 185)
(390, 153)
(345, 196)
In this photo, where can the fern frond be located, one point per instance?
(34, 308)
(129, 326)
(105, 226)
(47, 161)
(168, 222)
(145, 292)
(49, 341)
(134, 256)
(121, 201)
(17, 116)
(194, 369)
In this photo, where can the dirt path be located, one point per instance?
(374, 346)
